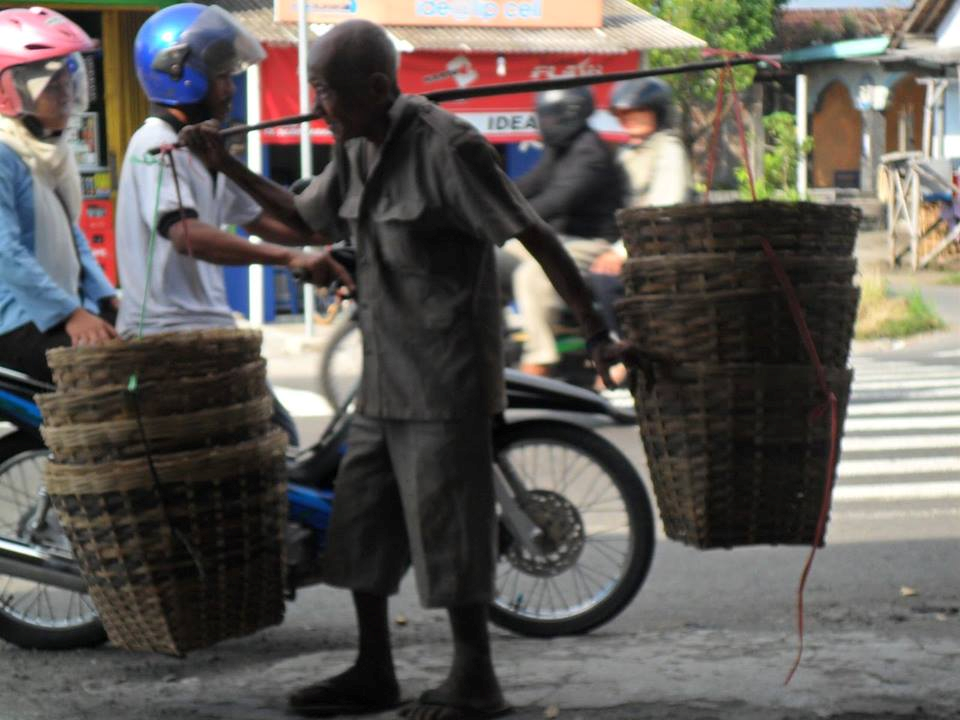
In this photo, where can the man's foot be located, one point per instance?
(469, 698)
(354, 692)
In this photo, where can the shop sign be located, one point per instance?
(502, 118)
(459, 13)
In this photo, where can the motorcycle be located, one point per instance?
(576, 528)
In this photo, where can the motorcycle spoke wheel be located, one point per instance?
(597, 527)
(34, 614)
(342, 363)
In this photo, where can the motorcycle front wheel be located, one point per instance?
(32, 614)
(597, 529)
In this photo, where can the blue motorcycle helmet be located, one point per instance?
(180, 48)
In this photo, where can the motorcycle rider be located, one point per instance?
(657, 170)
(52, 290)
(655, 161)
(577, 188)
(186, 56)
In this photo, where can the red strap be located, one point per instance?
(831, 402)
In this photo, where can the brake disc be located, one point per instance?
(563, 535)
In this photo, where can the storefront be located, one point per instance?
(458, 44)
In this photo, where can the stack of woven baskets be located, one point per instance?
(735, 454)
(169, 482)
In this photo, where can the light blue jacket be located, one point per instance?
(27, 293)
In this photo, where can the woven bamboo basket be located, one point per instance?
(104, 441)
(734, 454)
(156, 357)
(742, 326)
(802, 228)
(155, 398)
(714, 272)
(185, 560)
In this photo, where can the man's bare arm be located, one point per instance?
(205, 142)
(273, 230)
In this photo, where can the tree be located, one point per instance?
(739, 25)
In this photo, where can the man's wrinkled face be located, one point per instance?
(344, 103)
(219, 100)
(639, 124)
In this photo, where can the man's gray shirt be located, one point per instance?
(424, 212)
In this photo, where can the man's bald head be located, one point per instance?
(350, 53)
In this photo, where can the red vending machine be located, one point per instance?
(96, 221)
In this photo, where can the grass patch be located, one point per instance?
(884, 315)
(952, 278)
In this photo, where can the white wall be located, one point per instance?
(948, 34)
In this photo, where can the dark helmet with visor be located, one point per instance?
(643, 94)
(562, 114)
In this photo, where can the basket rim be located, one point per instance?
(64, 356)
(62, 478)
(64, 398)
(820, 289)
(744, 208)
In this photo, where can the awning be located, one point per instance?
(503, 118)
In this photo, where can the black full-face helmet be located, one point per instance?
(643, 94)
(562, 114)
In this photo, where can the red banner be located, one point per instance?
(502, 118)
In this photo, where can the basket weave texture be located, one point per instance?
(159, 357)
(737, 326)
(156, 398)
(155, 592)
(172, 492)
(737, 451)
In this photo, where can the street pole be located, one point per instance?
(801, 110)
(255, 163)
(306, 147)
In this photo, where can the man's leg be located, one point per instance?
(367, 552)
(444, 470)
(472, 683)
(537, 302)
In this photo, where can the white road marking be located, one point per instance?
(898, 424)
(904, 407)
(302, 403)
(895, 443)
(897, 491)
(900, 466)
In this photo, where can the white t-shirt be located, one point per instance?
(184, 293)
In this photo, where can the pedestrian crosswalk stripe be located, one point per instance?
(905, 407)
(899, 466)
(947, 353)
(895, 394)
(906, 384)
(896, 443)
(868, 424)
(935, 490)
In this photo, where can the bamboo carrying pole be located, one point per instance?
(439, 96)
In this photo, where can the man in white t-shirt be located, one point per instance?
(171, 209)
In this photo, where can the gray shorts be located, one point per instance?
(420, 491)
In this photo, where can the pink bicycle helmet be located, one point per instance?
(35, 45)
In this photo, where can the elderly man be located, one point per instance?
(424, 200)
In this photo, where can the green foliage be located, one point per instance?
(780, 158)
(951, 279)
(882, 314)
(739, 25)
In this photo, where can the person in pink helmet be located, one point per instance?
(52, 291)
